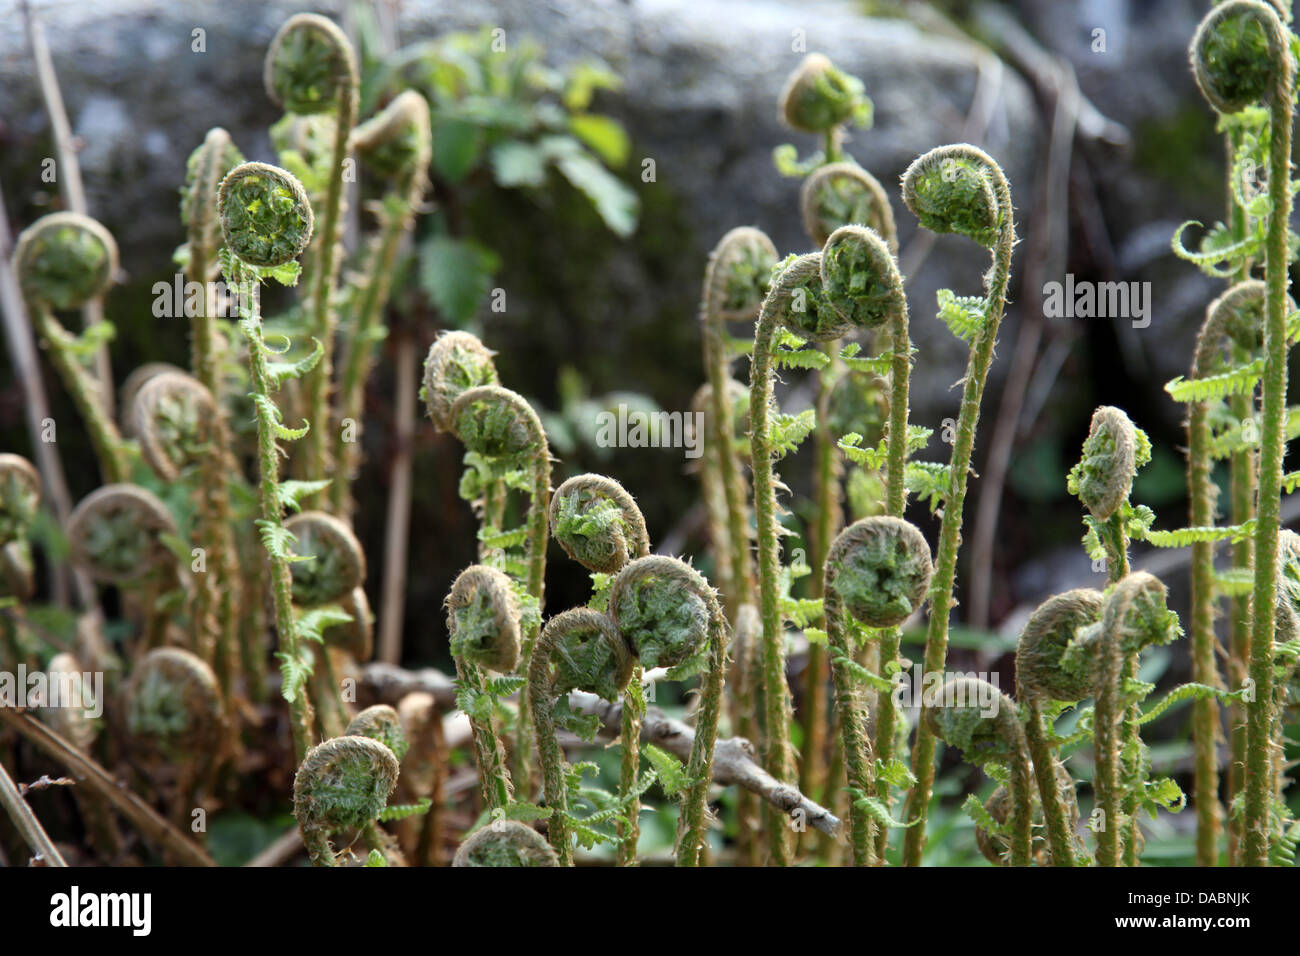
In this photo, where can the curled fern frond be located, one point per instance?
(818, 97)
(173, 704)
(880, 567)
(860, 278)
(310, 66)
(342, 784)
(580, 649)
(173, 417)
(963, 314)
(498, 424)
(737, 277)
(1045, 665)
(266, 218)
(796, 300)
(333, 562)
(397, 142)
(117, 534)
(662, 608)
(483, 618)
(20, 497)
(1240, 55)
(1103, 478)
(597, 523)
(956, 189)
(381, 723)
(64, 260)
(506, 843)
(1233, 320)
(457, 362)
(842, 194)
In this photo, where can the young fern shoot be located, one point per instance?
(1242, 56)
(311, 69)
(63, 261)
(878, 570)
(397, 143)
(958, 189)
(483, 621)
(578, 649)
(669, 616)
(266, 223)
(599, 525)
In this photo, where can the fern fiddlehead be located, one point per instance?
(266, 223)
(599, 525)
(1135, 617)
(483, 622)
(64, 260)
(982, 722)
(20, 497)
(1241, 56)
(1045, 673)
(342, 784)
(878, 570)
(1233, 323)
(669, 616)
(958, 189)
(506, 843)
(398, 144)
(329, 568)
(578, 649)
(311, 69)
(735, 283)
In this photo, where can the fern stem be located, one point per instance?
(945, 576)
(856, 743)
(268, 458)
(629, 833)
(541, 702)
(699, 768)
(1060, 837)
(1205, 720)
(775, 691)
(1259, 716)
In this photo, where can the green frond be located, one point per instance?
(928, 481)
(1237, 381)
(1185, 537)
(788, 431)
(292, 492)
(1180, 695)
(980, 816)
(311, 625)
(1218, 250)
(964, 315)
(280, 372)
(1234, 582)
(400, 811)
(803, 358)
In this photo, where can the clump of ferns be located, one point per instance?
(599, 525)
(506, 448)
(956, 189)
(311, 71)
(1243, 59)
(63, 261)
(266, 223)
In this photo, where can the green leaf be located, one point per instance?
(376, 858)
(456, 274)
(786, 432)
(1237, 381)
(583, 81)
(604, 135)
(293, 491)
(516, 164)
(312, 624)
(964, 315)
(279, 372)
(1184, 537)
(614, 202)
(672, 774)
(456, 147)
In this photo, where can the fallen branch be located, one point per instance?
(21, 814)
(733, 761)
(99, 781)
